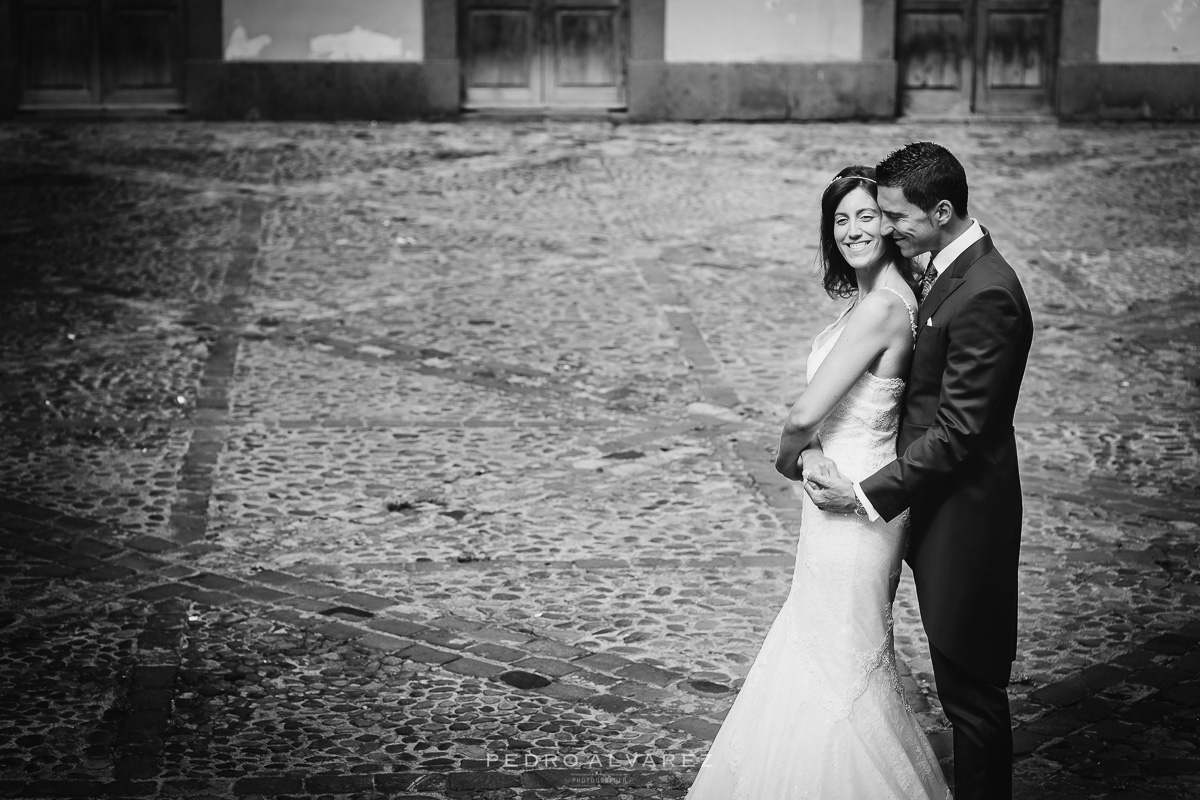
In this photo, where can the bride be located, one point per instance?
(821, 713)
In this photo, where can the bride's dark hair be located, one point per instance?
(838, 276)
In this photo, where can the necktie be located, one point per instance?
(927, 280)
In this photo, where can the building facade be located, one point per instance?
(646, 59)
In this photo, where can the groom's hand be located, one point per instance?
(832, 493)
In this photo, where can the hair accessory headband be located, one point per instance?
(852, 177)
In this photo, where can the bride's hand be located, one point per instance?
(816, 464)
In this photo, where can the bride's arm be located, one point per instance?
(870, 328)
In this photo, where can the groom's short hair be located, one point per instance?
(928, 173)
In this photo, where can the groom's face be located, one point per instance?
(913, 229)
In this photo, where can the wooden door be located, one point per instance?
(100, 53)
(543, 53)
(1016, 42)
(59, 53)
(962, 57)
(141, 50)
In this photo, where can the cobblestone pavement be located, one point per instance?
(435, 461)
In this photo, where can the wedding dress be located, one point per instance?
(821, 713)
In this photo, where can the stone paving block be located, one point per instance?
(107, 572)
(426, 655)
(448, 639)
(550, 647)
(269, 785)
(1060, 694)
(399, 627)
(605, 662)
(339, 630)
(305, 604)
(601, 563)
(138, 562)
(564, 691)
(209, 597)
(130, 788)
(145, 720)
(187, 527)
(151, 699)
(262, 594)
(1185, 694)
(611, 703)
(313, 589)
(33, 529)
(648, 674)
(207, 580)
(1157, 675)
(163, 590)
(383, 642)
(477, 780)
(151, 544)
(492, 634)
(1101, 676)
(50, 571)
(137, 768)
(1172, 766)
(547, 666)
(338, 784)
(471, 666)
(455, 624)
(65, 788)
(363, 600)
(1135, 659)
(1170, 644)
(640, 692)
(158, 640)
(700, 728)
(153, 676)
(496, 652)
(20, 508)
(396, 781)
(33, 548)
(94, 548)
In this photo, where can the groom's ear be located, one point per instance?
(943, 212)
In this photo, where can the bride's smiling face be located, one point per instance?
(856, 226)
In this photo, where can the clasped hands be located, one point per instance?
(826, 487)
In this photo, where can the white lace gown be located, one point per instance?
(821, 713)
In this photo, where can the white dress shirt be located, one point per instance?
(941, 262)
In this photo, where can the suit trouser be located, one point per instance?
(983, 741)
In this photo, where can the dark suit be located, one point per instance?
(957, 473)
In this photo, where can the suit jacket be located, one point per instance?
(957, 466)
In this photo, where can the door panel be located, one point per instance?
(145, 41)
(583, 58)
(500, 44)
(58, 53)
(543, 53)
(500, 53)
(585, 52)
(1017, 39)
(935, 58)
(1014, 54)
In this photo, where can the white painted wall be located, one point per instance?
(724, 31)
(1141, 31)
(322, 30)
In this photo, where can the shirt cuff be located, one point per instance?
(872, 514)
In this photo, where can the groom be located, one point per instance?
(957, 465)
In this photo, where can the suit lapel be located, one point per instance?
(946, 284)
